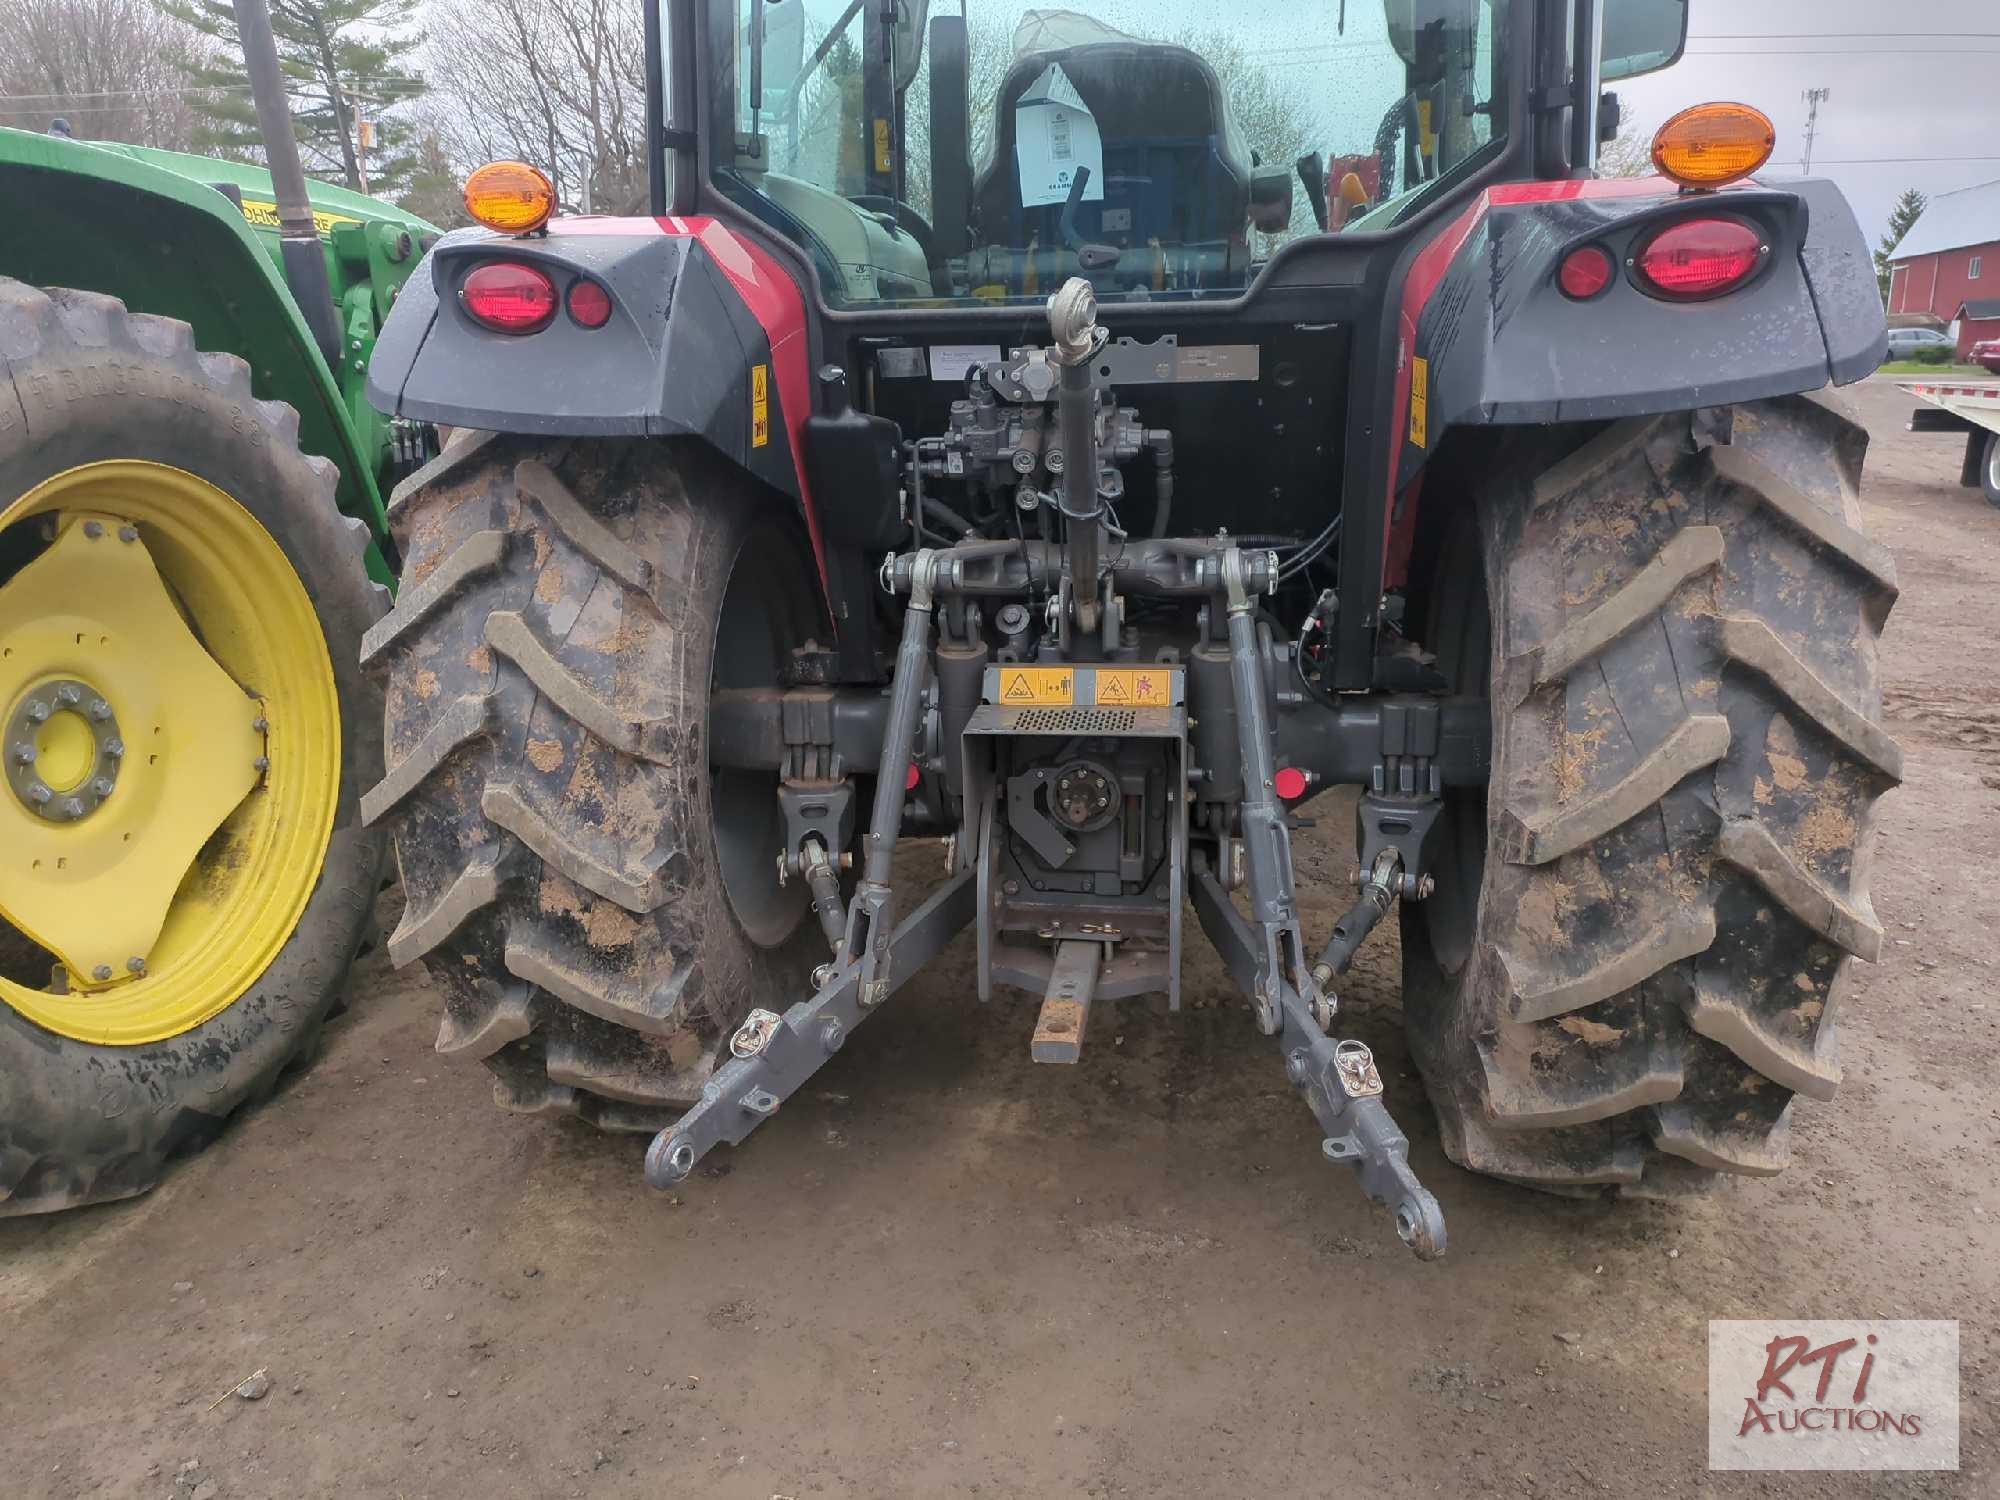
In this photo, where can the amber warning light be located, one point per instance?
(1711, 145)
(510, 196)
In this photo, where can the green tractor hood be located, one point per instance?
(196, 238)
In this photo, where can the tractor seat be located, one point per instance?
(1175, 169)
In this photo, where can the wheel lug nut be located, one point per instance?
(67, 694)
(37, 711)
(128, 533)
(99, 709)
(102, 786)
(39, 794)
(101, 973)
(24, 754)
(261, 763)
(93, 529)
(114, 747)
(73, 806)
(136, 965)
(260, 724)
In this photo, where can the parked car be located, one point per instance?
(1904, 342)
(1986, 354)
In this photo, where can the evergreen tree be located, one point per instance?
(344, 62)
(1909, 208)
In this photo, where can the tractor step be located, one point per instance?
(1066, 1008)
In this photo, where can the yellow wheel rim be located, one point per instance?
(171, 741)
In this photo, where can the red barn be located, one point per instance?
(1948, 266)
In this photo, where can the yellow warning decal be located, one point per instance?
(760, 405)
(265, 216)
(1135, 688)
(1037, 687)
(1420, 399)
(884, 159)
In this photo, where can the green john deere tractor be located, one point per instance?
(191, 547)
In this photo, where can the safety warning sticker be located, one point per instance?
(1135, 688)
(1037, 687)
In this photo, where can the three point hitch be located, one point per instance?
(1089, 796)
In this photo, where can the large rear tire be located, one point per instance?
(1642, 930)
(121, 444)
(600, 904)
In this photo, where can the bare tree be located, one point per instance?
(1628, 154)
(990, 53)
(559, 83)
(113, 70)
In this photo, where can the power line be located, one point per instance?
(1865, 161)
(1863, 52)
(191, 89)
(1814, 36)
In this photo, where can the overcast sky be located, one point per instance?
(1925, 94)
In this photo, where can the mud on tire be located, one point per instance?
(599, 906)
(1672, 860)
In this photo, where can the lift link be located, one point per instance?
(869, 918)
(825, 887)
(1378, 894)
(1267, 839)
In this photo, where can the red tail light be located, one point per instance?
(1698, 258)
(509, 297)
(589, 304)
(1585, 272)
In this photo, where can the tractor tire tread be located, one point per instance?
(1688, 755)
(561, 884)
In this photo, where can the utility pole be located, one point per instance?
(1814, 98)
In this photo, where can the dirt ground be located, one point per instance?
(944, 1270)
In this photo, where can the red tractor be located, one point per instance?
(984, 438)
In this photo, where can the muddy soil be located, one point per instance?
(944, 1270)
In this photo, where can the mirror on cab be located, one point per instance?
(1642, 36)
(1639, 36)
(909, 40)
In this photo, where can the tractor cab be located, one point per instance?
(992, 154)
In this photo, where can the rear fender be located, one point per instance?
(707, 339)
(1487, 338)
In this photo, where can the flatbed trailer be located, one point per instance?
(1972, 408)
